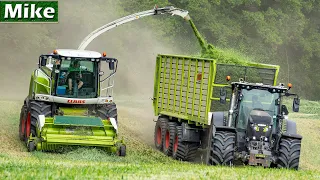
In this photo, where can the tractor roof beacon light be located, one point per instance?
(289, 85)
(104, 54)
(55, 52)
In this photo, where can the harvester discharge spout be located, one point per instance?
(156, 11)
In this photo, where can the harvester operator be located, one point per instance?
(74, 73)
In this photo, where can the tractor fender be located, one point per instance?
(291, 130)
(217, 122)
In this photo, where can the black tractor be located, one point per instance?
(256, 130)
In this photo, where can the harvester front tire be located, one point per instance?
(289, 153)
(22, 123)
(184, 151)
(169, 136)
(159, 132)
(222, 148)
(108, 111)
(37, 108)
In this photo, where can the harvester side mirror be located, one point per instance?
(223, 95)
(111, 65)
(295, 106)
(284, 110)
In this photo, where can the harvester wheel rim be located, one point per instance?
(167, 139)
(159, 135)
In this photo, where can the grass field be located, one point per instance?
(142, 161)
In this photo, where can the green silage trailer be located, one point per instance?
(187, 92)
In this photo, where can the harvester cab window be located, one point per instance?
(77, 78)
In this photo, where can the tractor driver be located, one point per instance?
(74, 73)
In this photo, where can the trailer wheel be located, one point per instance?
(159, 131)
(36, 109)
(169, 136)
(185, 151)
(222, 148)
(289, 153)
(22, 123)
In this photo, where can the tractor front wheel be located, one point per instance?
(222, 148)
(289, 153)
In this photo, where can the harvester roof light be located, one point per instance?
(228, 78)
(289, 85)
(55, 52)
(62, 58)
(92, 60)
(104, 54)
(69, 58)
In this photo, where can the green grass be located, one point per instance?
(141, 162)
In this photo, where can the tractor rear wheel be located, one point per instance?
(159, 132)
(108, 111)
(169, 136)
(36, 108)
(289, 156)
(222, 148)
(22, 124)
(185, 151)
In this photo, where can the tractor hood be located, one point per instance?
(260, 117)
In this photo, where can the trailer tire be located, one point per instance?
(159, 131)
(36, 108)
(222, 148)
(289, 153)
(169, 136)
(108, 111)
(184, 151)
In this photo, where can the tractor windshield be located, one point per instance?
(256, 99)
(77, 78)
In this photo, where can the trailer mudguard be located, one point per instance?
(190, 134)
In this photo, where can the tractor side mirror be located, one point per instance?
(223, 95)
(284, 110)
(111, 65)
(295, 106)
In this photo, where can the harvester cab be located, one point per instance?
(259, 118)
(70, 103)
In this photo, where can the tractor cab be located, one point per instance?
(257, 112)
(76, 73)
